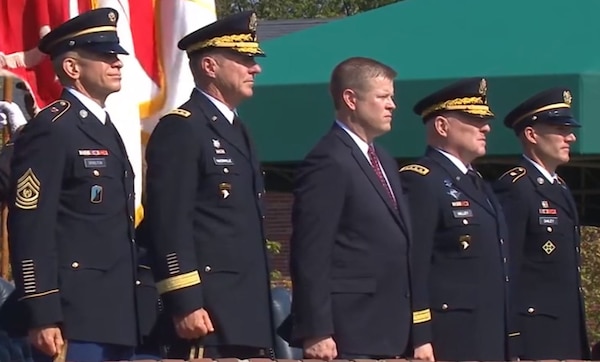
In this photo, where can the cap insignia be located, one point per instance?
(252, 23)
(112, 17)
(567, 97)
(483, 87)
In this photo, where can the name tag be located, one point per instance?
(459, 214)
(223, 161)
(94, 162)
(548, 220)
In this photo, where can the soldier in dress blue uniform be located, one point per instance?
(544, 230)
(71, 219)
(459, 253)
(204, 208)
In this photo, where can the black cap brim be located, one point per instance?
(106, 48)
(562, 121)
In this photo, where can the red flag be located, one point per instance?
(22, 24)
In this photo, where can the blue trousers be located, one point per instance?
(90, 352)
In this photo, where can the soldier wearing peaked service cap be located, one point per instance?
(71, 220)
(204, 212)
(544, 230)
(460, 259)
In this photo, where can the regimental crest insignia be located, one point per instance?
(253, 22)
(567, 97)
(483, 87)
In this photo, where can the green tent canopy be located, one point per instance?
(520, 46)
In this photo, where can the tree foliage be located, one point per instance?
(299, 9)
(590, 275)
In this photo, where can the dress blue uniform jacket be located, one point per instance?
(71, 226)
(545, 252)
(460, 259)
(204, 220)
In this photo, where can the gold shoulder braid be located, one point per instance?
(57, 108)
(180, 112)
(421, 170)
(515, 173)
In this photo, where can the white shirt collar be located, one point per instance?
(228, 113)
(364, 146)
(88, 103)
(543, 171)
(458, 163)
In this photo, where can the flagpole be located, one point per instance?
(4, 272)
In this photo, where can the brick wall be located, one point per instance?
(278, 226)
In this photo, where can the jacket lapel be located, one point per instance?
(549, 191)
(219, 123)
(251, 148)
(461, 181)
(569, 196)
(365, 166)
(93, 128)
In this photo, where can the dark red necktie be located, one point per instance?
(377, 168)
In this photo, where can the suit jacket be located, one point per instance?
(544, 249)
(461, 262)
(349, 251)
(204, 218)
(71, 226)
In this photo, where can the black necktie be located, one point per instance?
(115, 132)
(475, 179)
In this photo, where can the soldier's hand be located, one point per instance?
(425, 352)
(320, 348)
(194, 325)
(47, 339)
(13, 116)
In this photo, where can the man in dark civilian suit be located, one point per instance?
(544, 231)
(460, 254)
(351, 229)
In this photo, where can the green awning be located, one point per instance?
(520, 46)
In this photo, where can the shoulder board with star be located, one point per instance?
(514, 174)
(180, 112)
(420, 169)
(55, 109)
